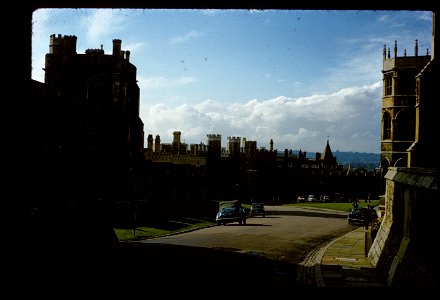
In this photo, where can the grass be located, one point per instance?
(168, 227)
(342, 206)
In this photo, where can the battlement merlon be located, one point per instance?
(62, 44)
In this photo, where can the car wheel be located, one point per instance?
(224, 223)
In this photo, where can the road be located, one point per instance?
(269, 253)
(286, 234)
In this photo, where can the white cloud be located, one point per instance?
(186, 37)
(351, 117)
(132, 47)
(103, 22)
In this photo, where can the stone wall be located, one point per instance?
(404, 250)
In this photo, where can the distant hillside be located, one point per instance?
(357, 160)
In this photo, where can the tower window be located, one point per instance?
(386, 126)
(388, 85)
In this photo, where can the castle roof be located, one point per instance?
(327, 155)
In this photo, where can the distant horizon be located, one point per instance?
(294, 76)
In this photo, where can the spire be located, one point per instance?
(395, 49)
(327, 155)
(416, 48)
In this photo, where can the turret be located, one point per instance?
(157, 143)
(62, 44)
(117, 47)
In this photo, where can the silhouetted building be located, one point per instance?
(104, 84)
(90, 104)
(402, 249)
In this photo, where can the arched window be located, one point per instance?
(404, 129)
(386, 127)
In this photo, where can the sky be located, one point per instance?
(298, 77)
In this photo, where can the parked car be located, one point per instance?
(300, 199)
(361, 215)
(229, 212)
(325, 198)
(311, 198)
(257, 209)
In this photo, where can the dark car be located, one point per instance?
(229, 212)
(361, 216)
(257, 209)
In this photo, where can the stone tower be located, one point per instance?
(157, 143)
(176, 142)
(214, 145)
(398, 105)
(150, 142)
(234, 146)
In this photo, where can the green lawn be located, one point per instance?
(343, 206)
(173, 226)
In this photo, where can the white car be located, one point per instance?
(311, 198)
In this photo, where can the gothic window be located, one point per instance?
(388, 85)
(404, 126)
(386, 126)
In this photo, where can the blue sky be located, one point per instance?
(294, 76)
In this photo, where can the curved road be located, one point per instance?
(286, 234)
(275, 254)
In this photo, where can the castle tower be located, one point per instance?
(214, 142)
(150, 142)
(117, 47)
(250, 149)
(176, 137)
(398, 105)
(234, 146)
(59, 61)
(157, 143)
(176, 142)
(62, 44)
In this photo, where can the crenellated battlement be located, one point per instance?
(214, 137)
(234, 139)
(62, 44)
(94, 51)
(391, 62)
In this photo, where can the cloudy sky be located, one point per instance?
(298, 77)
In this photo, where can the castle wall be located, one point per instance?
(403, 250)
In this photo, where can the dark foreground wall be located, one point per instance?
(404, 250)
